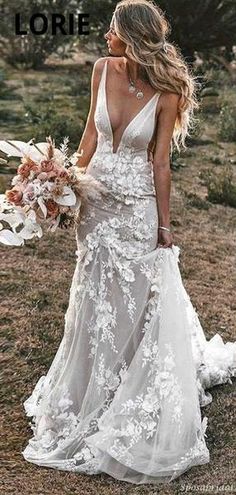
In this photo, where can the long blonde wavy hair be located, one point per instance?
(141, 24)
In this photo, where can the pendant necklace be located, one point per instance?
(132, 88)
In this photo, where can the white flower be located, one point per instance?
(155, 348)
(131, 429)
(147, 351)
(138, 160)
(64, 403)
(128, 275)
(155, 288)
(84, 454)
(150, 403)
(31, 228)
(92, 293)
(100, 380)
(68, 197)
(87, 454)
(150, 425)
(115, 222)
(113, 382)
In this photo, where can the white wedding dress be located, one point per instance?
(123, 393)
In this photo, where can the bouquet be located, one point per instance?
(48, 190)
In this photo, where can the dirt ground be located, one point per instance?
(35, 282)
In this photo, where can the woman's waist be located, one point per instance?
(123, 175)
(124, 152)
(122, 162)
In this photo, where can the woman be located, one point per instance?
(124, 391)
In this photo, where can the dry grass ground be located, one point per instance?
(35, 282)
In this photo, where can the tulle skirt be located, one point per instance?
(124, 391)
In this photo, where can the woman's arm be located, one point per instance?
(88, 142)
(161, 162)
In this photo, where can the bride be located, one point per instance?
(124, 391)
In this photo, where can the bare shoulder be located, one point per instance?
(98, 66)
(169, 101)
(115, 64)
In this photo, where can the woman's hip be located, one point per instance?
(131, 227)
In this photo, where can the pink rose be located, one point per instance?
(14, 195)
(46, 166)
(26, 166)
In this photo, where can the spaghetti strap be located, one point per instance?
(102, 81)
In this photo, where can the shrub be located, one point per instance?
(7, 117)
(44, 120)
(220, 187)
(6, 93)
(227, 122)
(196, 202)
(217, 77)
(3, 87)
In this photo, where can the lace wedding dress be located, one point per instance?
(123, 393)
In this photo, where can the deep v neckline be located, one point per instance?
(108, 117)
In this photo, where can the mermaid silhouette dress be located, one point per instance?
(124, 390)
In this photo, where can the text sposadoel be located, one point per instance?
(53, 23)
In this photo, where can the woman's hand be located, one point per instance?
(165, 239)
